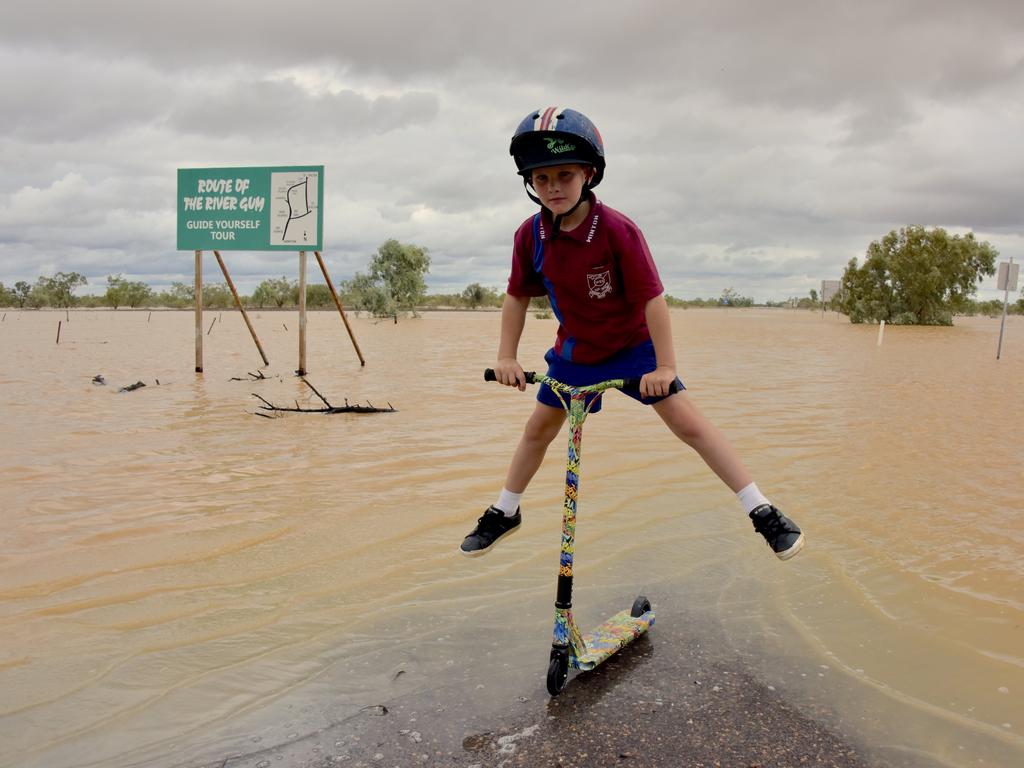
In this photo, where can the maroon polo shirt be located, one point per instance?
(598, 278)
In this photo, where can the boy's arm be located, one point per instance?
(513, 317)
(659, 324)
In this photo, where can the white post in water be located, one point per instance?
(881, 331)
(1007, 280)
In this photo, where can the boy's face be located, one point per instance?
(559, 186)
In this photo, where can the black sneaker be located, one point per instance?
(492, 527)
(781, 533)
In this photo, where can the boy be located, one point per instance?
(594, 265)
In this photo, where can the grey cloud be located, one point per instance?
(757, 143)
(285, 110)
(795, 52)
(61, 96)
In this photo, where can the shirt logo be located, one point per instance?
(600, 284)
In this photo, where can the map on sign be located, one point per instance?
(293, 208)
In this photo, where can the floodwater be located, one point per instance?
(182, 580)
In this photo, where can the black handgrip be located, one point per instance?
(489, 375)
(672, 388)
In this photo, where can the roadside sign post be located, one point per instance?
(199, 311)
(302, 313)
(829, 290)
(1007, 281)
(277, 208)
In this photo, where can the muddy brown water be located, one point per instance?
(181, 580)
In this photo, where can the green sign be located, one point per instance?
(251, 209)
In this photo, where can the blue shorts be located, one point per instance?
(627, 364)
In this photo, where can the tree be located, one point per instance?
(22, 290)
(137, 293)
(317, 295)
(400, 268)
(915, 276)
(475, 295)
(58, 290)
(732, 298)
(367, 294)
(278, 291)
(216, 296)
(181, 294)
(261, 296)
(807, 302)
(115, 291)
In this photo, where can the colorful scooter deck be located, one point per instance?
(616, 633)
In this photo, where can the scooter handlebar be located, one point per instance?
(490, 376)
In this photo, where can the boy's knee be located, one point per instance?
(542, 430)
(685, 421)
(689, 432)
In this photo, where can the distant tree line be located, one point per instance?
(910, 276)
(394, 283)
(729, 297)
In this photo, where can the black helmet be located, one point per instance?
(557, 136)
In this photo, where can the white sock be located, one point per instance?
(508, 502)
(751, 498)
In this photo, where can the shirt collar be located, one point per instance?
(585, 232)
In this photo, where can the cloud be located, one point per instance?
(761, 144)
(283, 110)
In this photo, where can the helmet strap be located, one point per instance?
(557, 219)
(526, 186)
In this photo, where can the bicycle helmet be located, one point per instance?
(557, 136)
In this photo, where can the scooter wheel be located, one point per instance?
(558, 670)
(640, 606)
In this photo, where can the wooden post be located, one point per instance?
(337, 303)
(238, 303)
(302, 313)
(58, 330)
(199, 311)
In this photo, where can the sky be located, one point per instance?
(758, 145)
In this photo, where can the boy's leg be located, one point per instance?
(541, 428)
(693, 428)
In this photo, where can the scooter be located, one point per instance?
(569, 646)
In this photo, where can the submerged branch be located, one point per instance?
(328, 408)
(304, 381)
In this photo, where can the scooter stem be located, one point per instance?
(565, 632)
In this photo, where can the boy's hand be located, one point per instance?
(508, 371)
(657, 382)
